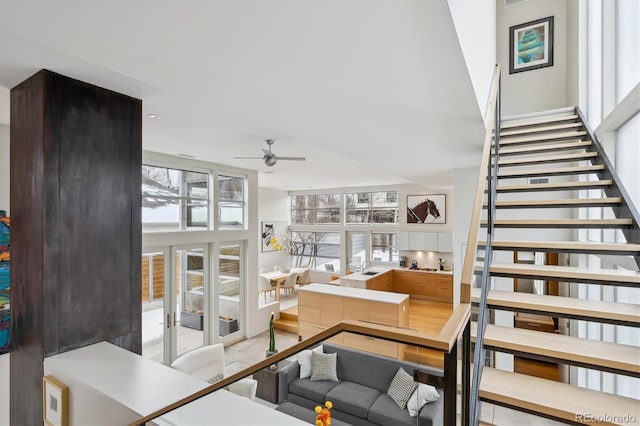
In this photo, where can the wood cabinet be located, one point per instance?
(381, 282)
(424, 285)
(317, 311)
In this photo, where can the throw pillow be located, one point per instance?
(422, 395)
(401, 387)
(323, 367)
(304, 359)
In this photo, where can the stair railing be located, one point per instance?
(487, 178)
(627, 209)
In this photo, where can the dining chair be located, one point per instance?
(290, 284)
(304, 278)
(264, 286)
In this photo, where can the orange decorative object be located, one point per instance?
(323, 416)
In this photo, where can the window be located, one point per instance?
(174, 199)
(628, 46)
(315, 209)
(628, 153)
(318, 250)
(231, 201)
(372, 207)
(383, 247)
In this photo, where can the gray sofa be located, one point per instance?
(359, 397)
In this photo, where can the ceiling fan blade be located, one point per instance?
(248, 158)
(293, 158)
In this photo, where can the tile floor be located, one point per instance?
(249, 351)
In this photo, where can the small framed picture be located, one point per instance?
(531, 45)
(426, 208)
(55, 402)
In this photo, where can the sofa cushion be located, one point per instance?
(385, 411)
(352, 398)
(401, 387)
(314, 391)
(323, 366)
(423, 394)
(304, 359)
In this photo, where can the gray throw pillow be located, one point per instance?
(323, 366)
(401, 387)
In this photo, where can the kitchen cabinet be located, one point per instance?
(320, 306)
(445, 242)
(433, 286)
(427, 241)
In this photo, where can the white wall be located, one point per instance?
(4, 205)
(475, 23)
(543, 88)
(465, 182)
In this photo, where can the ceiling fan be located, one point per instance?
(269, 157)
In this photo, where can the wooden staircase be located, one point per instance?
(560, 147)
(288, 321)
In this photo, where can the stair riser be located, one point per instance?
(534, 161)
(540, 150)
(561, 315)
(534, 173)
(550, 206)
(288, 316)
(558, 226)
(285, 327)
(583, 280)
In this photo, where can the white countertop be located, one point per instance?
(358, 293)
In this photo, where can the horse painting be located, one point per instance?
(425, 210)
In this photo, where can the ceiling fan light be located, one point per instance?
(270, 160)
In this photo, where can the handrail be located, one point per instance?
(631, 235)
(466, 280)
(487, 176)
(444, 341)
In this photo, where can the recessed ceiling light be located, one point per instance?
(153, 116)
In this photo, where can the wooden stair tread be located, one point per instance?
(573, 350)
(566, 307)
(555, 399)
(504, 162)
(559, 186)
(559, 223)
(542, 148)
(536, 121)
(537, 129)
(510, 140)
(574, 202)
(552, 171)
(562, 273)
(566, 246)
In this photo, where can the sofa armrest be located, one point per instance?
(287, 375)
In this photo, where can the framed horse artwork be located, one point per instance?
(426, 208)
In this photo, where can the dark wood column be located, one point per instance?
(76, 153)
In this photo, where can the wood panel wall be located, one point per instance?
(76, 153)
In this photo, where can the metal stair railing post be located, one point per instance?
(627, 209)
(483, 315)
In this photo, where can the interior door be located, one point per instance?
(230, 291)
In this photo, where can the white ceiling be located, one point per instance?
(371, 92)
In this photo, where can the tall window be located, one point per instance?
(231, 202)
(628, 153)
(174, 199)
(317, 250)
(371, 207)
(315, 209)
(628, 46)
(383, 247)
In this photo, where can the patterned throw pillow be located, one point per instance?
(323, 367)
(401, 387)
(304, 359)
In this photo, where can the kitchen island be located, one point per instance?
(321, 306)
